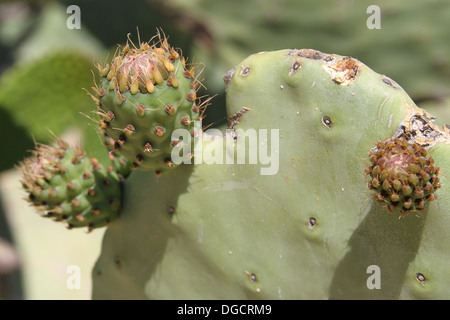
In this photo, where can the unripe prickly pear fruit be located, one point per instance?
(145, 94)
(403, 175)
(66, 185)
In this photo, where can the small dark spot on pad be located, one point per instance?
(251, 276)
(307, 53)
(296, 65)
(327, 121)
(312, 222)
(389, 82)
(245, 71)
(420, 277)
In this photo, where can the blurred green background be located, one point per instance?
(44, 66)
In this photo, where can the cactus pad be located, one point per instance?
(312, 229)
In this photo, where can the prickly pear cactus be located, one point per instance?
(278, 206)
(66, 185)
(145, 94)
(328, 182)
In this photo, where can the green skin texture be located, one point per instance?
(230, 222)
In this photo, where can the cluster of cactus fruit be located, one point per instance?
(236, 233)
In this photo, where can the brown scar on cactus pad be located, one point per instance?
(390, 82)
(344, 71)
(417, 127)
(311, 54)
(228, 77)
(235, 118)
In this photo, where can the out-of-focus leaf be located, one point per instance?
(47, 95)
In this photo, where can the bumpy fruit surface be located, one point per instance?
(403, 175)
(145, 94)
(66, 185)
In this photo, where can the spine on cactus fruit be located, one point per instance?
(66, 185)
(145, 94)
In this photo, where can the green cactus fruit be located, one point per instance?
(310, 229)
(145, 94)
(65, 185)
(403, 175)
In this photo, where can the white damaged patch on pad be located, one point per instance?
(344, 71)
